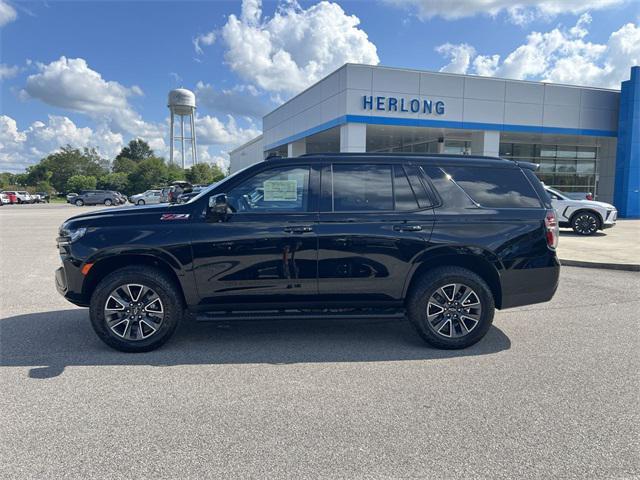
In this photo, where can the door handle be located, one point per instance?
(298, 229)
(407, 228)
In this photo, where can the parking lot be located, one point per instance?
(551, 392)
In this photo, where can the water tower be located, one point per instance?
(182, 103)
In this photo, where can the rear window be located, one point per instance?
(495, 187)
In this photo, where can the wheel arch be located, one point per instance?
(476, 263)
(588, 210)
(108, 264)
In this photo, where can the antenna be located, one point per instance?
(182, 103)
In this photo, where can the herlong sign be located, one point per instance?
(401, 104)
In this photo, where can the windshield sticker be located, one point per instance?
(280, 190)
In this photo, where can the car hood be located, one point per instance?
(593, 203)
(128, 215)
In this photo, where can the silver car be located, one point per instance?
(148, 197)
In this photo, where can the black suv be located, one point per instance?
(441, 239)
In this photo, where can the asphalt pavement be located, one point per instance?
(553, 391)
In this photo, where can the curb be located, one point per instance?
(628, 267)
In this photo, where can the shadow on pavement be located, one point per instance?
(571, 233)
(50, 341)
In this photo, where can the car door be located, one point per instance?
(265, 252)
(371, 229)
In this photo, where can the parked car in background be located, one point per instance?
(164, 194)
(579, 195)
(585, 217)
(4, 199)
(12, 196)
(96, 197)
(442, 239)
(178, 188)
(149, 197)
(185, 197)
(71, 196)
(24, 197)
(122, 199)
(43, 197)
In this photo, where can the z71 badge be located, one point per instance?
(174, 216)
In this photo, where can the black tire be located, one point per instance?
(428, 285)
(108, 202)
(79, 203)
(140, 202)
(585, 223)
(167, 291)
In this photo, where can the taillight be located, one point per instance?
(589, 196)
(552, 229)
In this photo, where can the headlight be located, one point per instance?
(70, 235)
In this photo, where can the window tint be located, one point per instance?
(495, 187)
(405, 199)
(419, 190)
(452, 195)
(362, 188)
(283, 189)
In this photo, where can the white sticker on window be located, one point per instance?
(280, 190)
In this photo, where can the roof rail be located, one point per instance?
(398, 154)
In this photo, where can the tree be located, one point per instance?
(123, 165)
(136, 150)
(38, 173)
(204, 173)
(6, 179)
(148, 173)
(69, 162)
(175, 172)
(76, 183)
(114, 181)
(44, 186)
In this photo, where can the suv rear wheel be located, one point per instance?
(451, 307)
(136, 309)
(79, 203)
(585, 223)
(108, 202)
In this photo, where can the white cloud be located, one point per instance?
(206, 39)
(70, 83)
(518, 11)
(296, 47)
(241, 100)
(7, 13)
(212, 131)
(560, 55)
(459, 57)
(7, 71)
(21, 148)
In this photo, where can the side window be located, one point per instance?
(495, 187)
(362, 188)
(413, 173)
(284, 189)
(404, 197)
(452, 195)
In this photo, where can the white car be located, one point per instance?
(586, 217)
(24, 197)
(148, 197)
(4, 198)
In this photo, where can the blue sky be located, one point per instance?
(97, 73)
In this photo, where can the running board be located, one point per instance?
(342, 314)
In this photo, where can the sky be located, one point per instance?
(97, 73)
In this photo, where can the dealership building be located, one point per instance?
(584, 139)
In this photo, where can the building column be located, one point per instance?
(485, 143)
(297, 148)
(353, 137)
(626, 196)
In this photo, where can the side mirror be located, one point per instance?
(219, 207)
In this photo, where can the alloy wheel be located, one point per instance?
(454, 310)
(586, 224)
(134, 312)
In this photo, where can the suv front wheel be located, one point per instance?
(451, 307)
(136, 309)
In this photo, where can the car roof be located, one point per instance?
(427, 158)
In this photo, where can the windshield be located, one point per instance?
(207, 189)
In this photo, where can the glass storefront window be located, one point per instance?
(587, 152)
(548, 151)
(506, 149)
(523, 150)
(565, 166)
(586, 167)
(566, 152)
